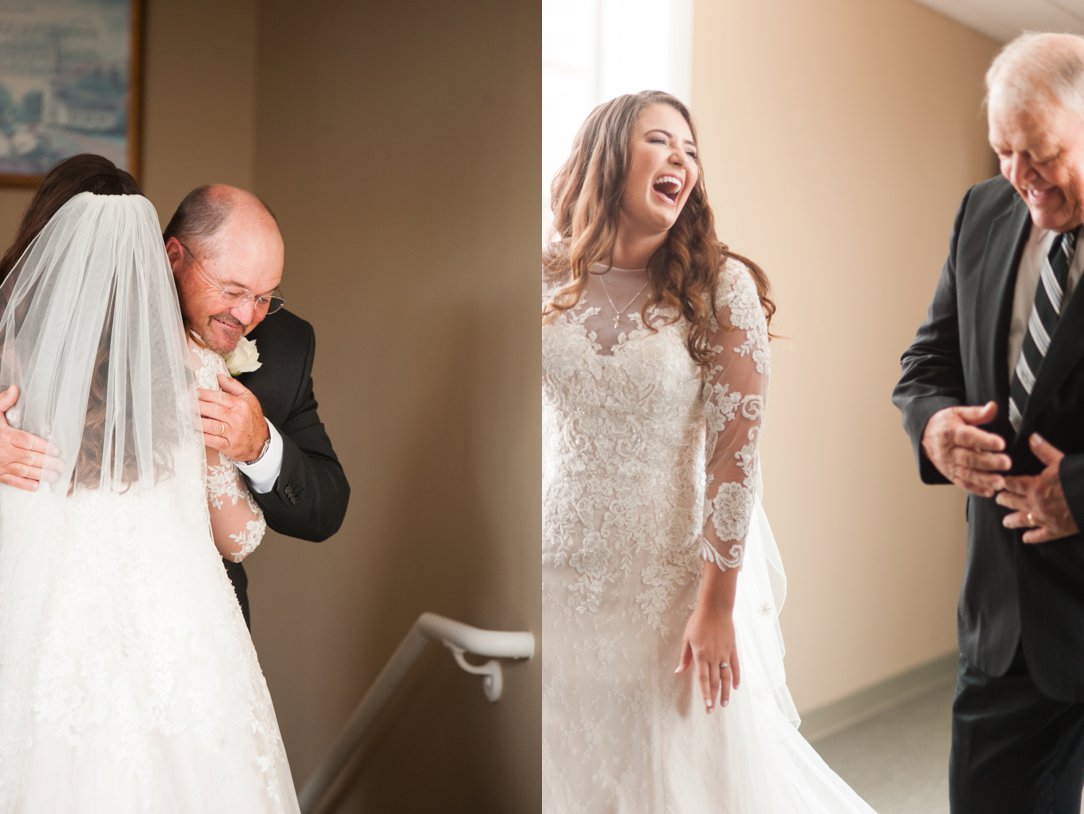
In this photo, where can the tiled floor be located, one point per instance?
(898, 760)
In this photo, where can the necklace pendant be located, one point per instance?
(620, 312)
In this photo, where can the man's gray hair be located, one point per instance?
(1036, 69)
(203, 212)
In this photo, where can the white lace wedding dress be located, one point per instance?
(128, 681)
(647, 473)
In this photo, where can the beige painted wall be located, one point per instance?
(398, 144)
(199, 99)
(838, 139)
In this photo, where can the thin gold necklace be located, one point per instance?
(619, 313)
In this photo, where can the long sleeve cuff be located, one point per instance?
(262, 474)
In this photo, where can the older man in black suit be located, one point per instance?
(226, 252)
(992, 395)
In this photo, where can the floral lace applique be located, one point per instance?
(226, 489)
(621, 399)
(248, 539)
(733, 414)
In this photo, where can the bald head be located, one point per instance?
(1038, 70)
(205, 211)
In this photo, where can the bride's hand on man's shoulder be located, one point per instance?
(709, 647)
(25, 459)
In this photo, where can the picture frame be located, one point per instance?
(69, 84)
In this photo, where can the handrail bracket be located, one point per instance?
(492, 675)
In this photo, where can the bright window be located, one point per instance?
(593, 50)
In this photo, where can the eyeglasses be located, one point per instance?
(236, 296)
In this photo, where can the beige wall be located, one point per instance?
(838, 138)
(399, 144)
(199, 97)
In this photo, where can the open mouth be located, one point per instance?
(1037, 195)
(669, 186)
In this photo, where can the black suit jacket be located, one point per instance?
(310, 496)
(1012, 593)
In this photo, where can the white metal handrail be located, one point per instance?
(458, 638)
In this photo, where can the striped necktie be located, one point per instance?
(1049, 297)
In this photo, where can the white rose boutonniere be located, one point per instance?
(244, 358)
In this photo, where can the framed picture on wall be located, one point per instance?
(69, 83)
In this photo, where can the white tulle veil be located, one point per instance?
(90, 331)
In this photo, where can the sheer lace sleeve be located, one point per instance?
(237, 522)
(733, 411)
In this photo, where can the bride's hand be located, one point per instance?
(709, 645)
(25, 459)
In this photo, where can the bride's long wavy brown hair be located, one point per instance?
(586, 201)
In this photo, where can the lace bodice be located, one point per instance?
(626, 410)
(236, 519)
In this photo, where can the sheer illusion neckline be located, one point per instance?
(602, 268)
(615, 345)
(608, 311)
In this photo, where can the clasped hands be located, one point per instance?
(231, 421)
(975, 460)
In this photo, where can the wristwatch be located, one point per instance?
(263, 451)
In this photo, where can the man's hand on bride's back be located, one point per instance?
(25, 459)
(971, 458)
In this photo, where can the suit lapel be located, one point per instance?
(1008, 235)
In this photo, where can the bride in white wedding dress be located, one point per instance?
(657, 557)
(128, 681)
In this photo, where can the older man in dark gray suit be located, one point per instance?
(992, 395)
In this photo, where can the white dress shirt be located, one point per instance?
(262, 474)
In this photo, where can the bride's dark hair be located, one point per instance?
(85, 172)
(586, 202)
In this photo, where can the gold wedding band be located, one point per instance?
(1031, 519)
(222, 429)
